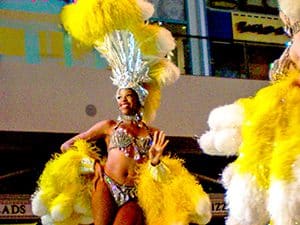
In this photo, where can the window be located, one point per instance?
(246, 60)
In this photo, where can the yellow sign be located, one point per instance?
(257, 28)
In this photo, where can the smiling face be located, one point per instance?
(128, 101)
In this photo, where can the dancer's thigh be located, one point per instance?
(103, 205)
(130, 214)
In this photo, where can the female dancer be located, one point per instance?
(135, 184)
(129, 142)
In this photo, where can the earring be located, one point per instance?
(287, 24)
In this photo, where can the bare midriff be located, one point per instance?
(120, 168)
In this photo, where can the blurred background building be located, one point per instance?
(52, 88)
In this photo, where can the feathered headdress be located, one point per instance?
(129, 69)
(135, 50)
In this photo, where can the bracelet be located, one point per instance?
(159, 172)
(87, 166)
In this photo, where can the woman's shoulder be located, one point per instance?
(109, 122)
(152, 129)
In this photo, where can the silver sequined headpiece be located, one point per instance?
(129, 69)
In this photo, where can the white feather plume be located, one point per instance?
(147, 8)
(226, 116)
(284, 198)
(246, 200)
(37, 206)
(170, 74)
(224, 142)
(47, 220)
(165, 41)
(228, 141)
(206, 143)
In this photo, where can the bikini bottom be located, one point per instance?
(121, 193)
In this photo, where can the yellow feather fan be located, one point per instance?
(179, 199)
(63, 190)
(264, 118)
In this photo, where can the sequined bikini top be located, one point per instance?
(133, 147)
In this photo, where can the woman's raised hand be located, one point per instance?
(158, 145)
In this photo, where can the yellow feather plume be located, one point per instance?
(62, 189)
(90, 20)
(152, 102)
(265, 117)
(163, 72)
(173, 201)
